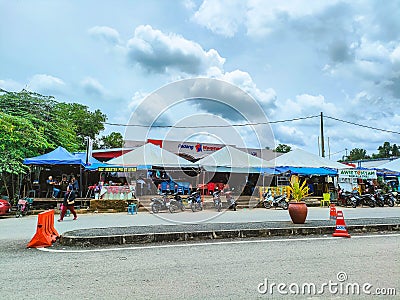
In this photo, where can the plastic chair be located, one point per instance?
(132, 209)
(326, 199)
(32, 192)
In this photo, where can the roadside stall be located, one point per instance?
(356, 179)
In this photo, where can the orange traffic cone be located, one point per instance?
(332, 213)
(340, 230)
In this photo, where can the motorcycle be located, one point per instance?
(217, 200)
(23, 207)
(379, 199)
(389, 199)
(366, 199)
(346, 199)
(277, 201)
(158, 204)
(396, 197)
(194, 200)
(176, 203)
(230, 200)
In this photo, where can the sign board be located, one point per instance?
(362, 174)
(117, 169)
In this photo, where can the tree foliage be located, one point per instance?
(113, 140)
(357, 154)
(85, 122)
(283, 148)
(32, 124)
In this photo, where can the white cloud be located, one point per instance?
(44, 83)
(189, 4)
(10, 85)
(93, 87)
(395, 56)
(105, 33)
(158, 52)
(221, 17)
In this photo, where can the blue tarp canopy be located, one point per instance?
(301, 171)
(92, 160)
(58, 156)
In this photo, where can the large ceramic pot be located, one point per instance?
(298, 212)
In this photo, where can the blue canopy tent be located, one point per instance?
(58, 156)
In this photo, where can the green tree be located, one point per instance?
(283, 148)
(41, 112)
(18, 139)
(357, 154)
(385, 150)
(395, 150)
(85, 122)
(113, 140)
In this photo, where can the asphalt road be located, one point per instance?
(233, 270)
(24, 228)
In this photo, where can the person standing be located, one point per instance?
(68, 203)
(75, 184)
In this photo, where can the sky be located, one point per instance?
(292, 59)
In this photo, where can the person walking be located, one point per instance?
(68, 203)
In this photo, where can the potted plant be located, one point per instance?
(297, 207)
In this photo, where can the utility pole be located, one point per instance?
(322, 135)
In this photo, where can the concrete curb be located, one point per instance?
(144, 238)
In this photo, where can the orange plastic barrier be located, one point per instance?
(341, 230)
(45, 234)
(332, 213)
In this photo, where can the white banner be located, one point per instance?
(362, 174)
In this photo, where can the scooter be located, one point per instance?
(230, 200)
(176, 203)
(23, 207)
(217, 200)
(194, 200)
(389, 199)
(346, 199)
(158, 204)
(366, 199)
(379, 198)
(277, 201)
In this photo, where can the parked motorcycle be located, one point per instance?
(194, 200)
(158, 204)
(277, 201)
(217, 200)
(176, 203)
(379, 198)
(396, 197)
(346, 199)
(366, 199)
(230, 200)
(389, 199)
(23, 207)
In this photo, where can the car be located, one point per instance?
(4, 207)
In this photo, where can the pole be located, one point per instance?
(322, 135)
(329, 149)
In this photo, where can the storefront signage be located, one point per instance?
(117, 169)
(199, 147)
(362, 174)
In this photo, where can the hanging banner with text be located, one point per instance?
(117, 169)
(362, 174)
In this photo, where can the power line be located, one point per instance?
(209, 126)
(365, 126)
